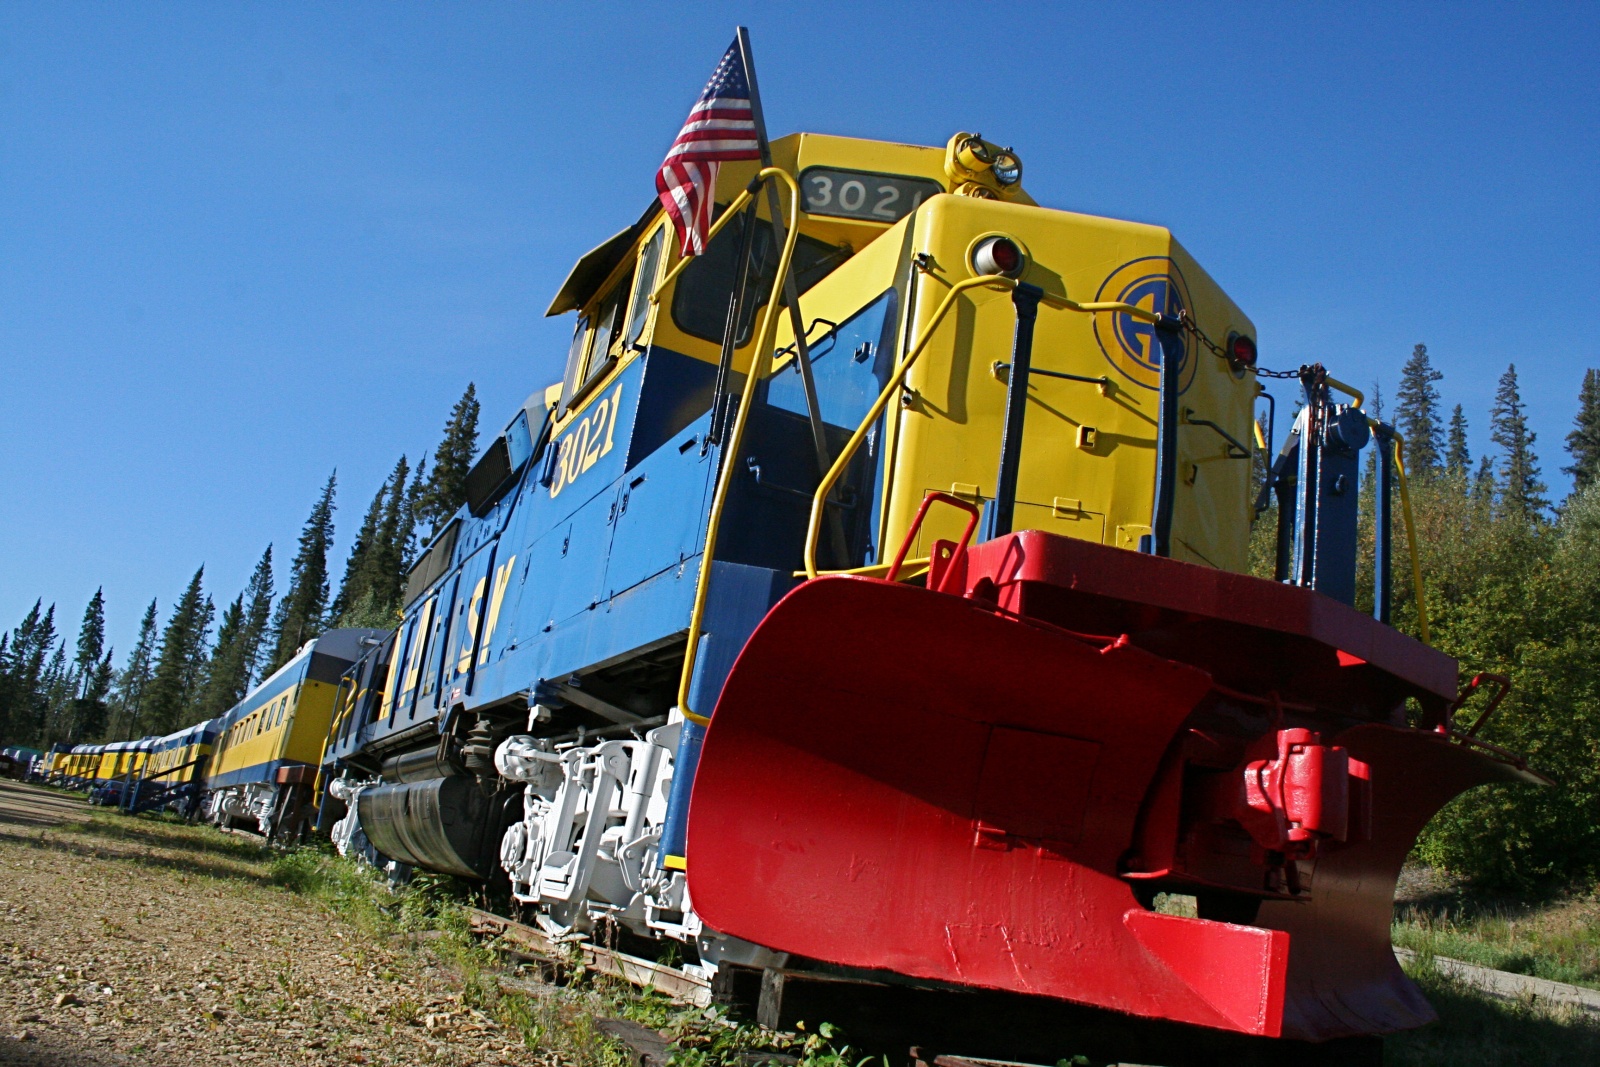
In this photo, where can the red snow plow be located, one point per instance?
(989, 781)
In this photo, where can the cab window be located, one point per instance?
(644, 282)
(575, 360)
(608, 327)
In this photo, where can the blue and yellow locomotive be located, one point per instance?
(905, 534)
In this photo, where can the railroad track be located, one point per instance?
(674, 982)
(918, 1027)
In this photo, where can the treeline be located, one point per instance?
(197, 666)
(1513, 587)
(1512, 582)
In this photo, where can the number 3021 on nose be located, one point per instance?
(854, 194)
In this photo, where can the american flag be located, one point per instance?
(720, 128)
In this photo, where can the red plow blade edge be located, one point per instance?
(910, 781)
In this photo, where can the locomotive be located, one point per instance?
(870, 596)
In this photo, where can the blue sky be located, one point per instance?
(241, 244)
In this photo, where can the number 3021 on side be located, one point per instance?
(854, 194)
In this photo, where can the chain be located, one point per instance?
(1189, 326)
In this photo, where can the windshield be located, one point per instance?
(700, 303)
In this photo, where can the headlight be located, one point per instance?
(973, 155)
(1007, 168)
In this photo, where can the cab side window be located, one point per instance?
(619, 323)
(644, 283)
(608, 332)
(575, 361)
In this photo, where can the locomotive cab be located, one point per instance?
(884, 231)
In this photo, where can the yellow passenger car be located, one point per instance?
(269, 744)
(180, 756)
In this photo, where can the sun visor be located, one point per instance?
(595, 266)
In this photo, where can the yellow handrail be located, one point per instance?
(1411, 539)
(342, 712)
(1361, 399)
(992, 281)
(758, 364)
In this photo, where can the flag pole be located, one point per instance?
(791, 296)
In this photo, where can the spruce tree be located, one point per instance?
(1521, 491)
(352, 586)
(1417, 413)
(301, 613)
(228, 674)
(257, 619)
(446, 488)
(5, 684)
(91, 711)
(406, 538)
(384, 568)
(133, 681)
(53, 719)
(26, 693)
(1483, 481)
(1457, 460)
(180, 665)
(91, 635)
(91, 674)
(1583, 443)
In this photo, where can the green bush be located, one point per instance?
(1521, 597)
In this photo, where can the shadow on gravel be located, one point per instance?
(193, 863)
(48, 1050)
(178, 835)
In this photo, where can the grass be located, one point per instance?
(1475, 1030)
(1557, 939)
(560, 1018)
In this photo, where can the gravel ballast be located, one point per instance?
(137, 941)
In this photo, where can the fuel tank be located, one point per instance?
(439, 823)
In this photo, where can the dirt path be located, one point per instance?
(29, 805)
(134, 941)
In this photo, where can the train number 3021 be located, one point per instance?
(586, 442)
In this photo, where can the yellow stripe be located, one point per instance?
(675, 863)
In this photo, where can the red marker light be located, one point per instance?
(998, 255)
(1242, 351)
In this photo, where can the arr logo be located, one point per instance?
(1155, 284)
